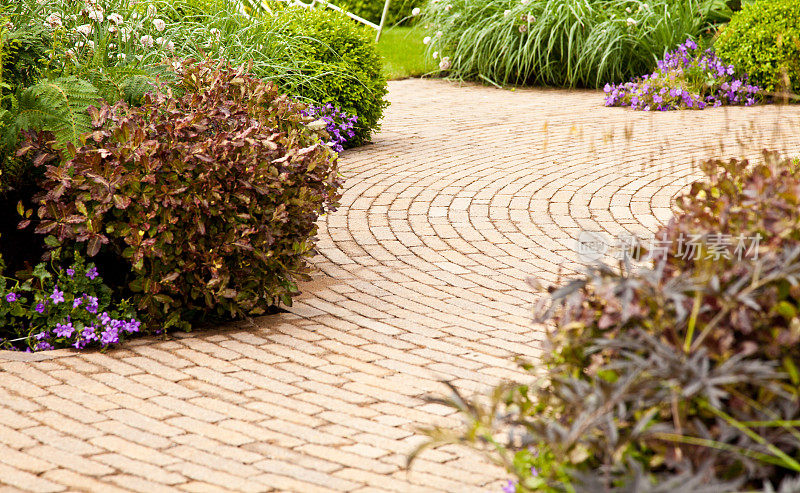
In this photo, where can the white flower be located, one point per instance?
(151, 10)
(112, 29)
(445, 63)
(115, 18)
(415, 11)
(435, 55)
(438, 34)
(215, 32)
(90, 44)
(96, 14)
(448, 7)
(524, 2)
(170, 46)
(628, 10)
(85, 29)
(79, 44)
(426, 40)
(159, 25)
(54, 20)
(121, 56)
(505, 14)
(160, 41)
(630, 22)
(147, 41)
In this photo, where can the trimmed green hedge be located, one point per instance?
(763, 40)
(340, 62)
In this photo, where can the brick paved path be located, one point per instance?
(465, 193)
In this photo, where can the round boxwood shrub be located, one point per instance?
(340, 63)
(209, 199)
(763, 40)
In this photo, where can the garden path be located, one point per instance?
(465, 193)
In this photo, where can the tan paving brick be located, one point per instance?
(69, 460)
(421, 276)
(140, 469)
(80, 482)
(25, 481)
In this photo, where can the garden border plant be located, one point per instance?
(681, 376)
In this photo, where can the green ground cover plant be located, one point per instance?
(763, 39)
(570, 43)
(681, 376)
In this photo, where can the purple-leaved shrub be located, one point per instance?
(687, 77)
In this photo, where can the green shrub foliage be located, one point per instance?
(763, 40)
(682, 376)
(210, 198)
(341, 64)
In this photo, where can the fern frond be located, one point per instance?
(59, 106)
(126, 82)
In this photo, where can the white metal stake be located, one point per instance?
(383, 19)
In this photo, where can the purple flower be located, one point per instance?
(132, 326)
(11, 297)
(64, 330)
(44, 346)
(109, 336)
(534, 472)
(42, 335)
(76, 302)
(510, 487)
(40, 307)
(57, 296)
(70, 272)
(88, 333)
(92, 273)
(91, 305)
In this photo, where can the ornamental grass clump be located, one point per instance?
(209, 199)
(568, 43)
(678, 376)
(687, 77)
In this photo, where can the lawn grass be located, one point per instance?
(403, 53)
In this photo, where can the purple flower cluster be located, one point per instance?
(70, 310)
(686, 78)
(338, 124)
(106, 330)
